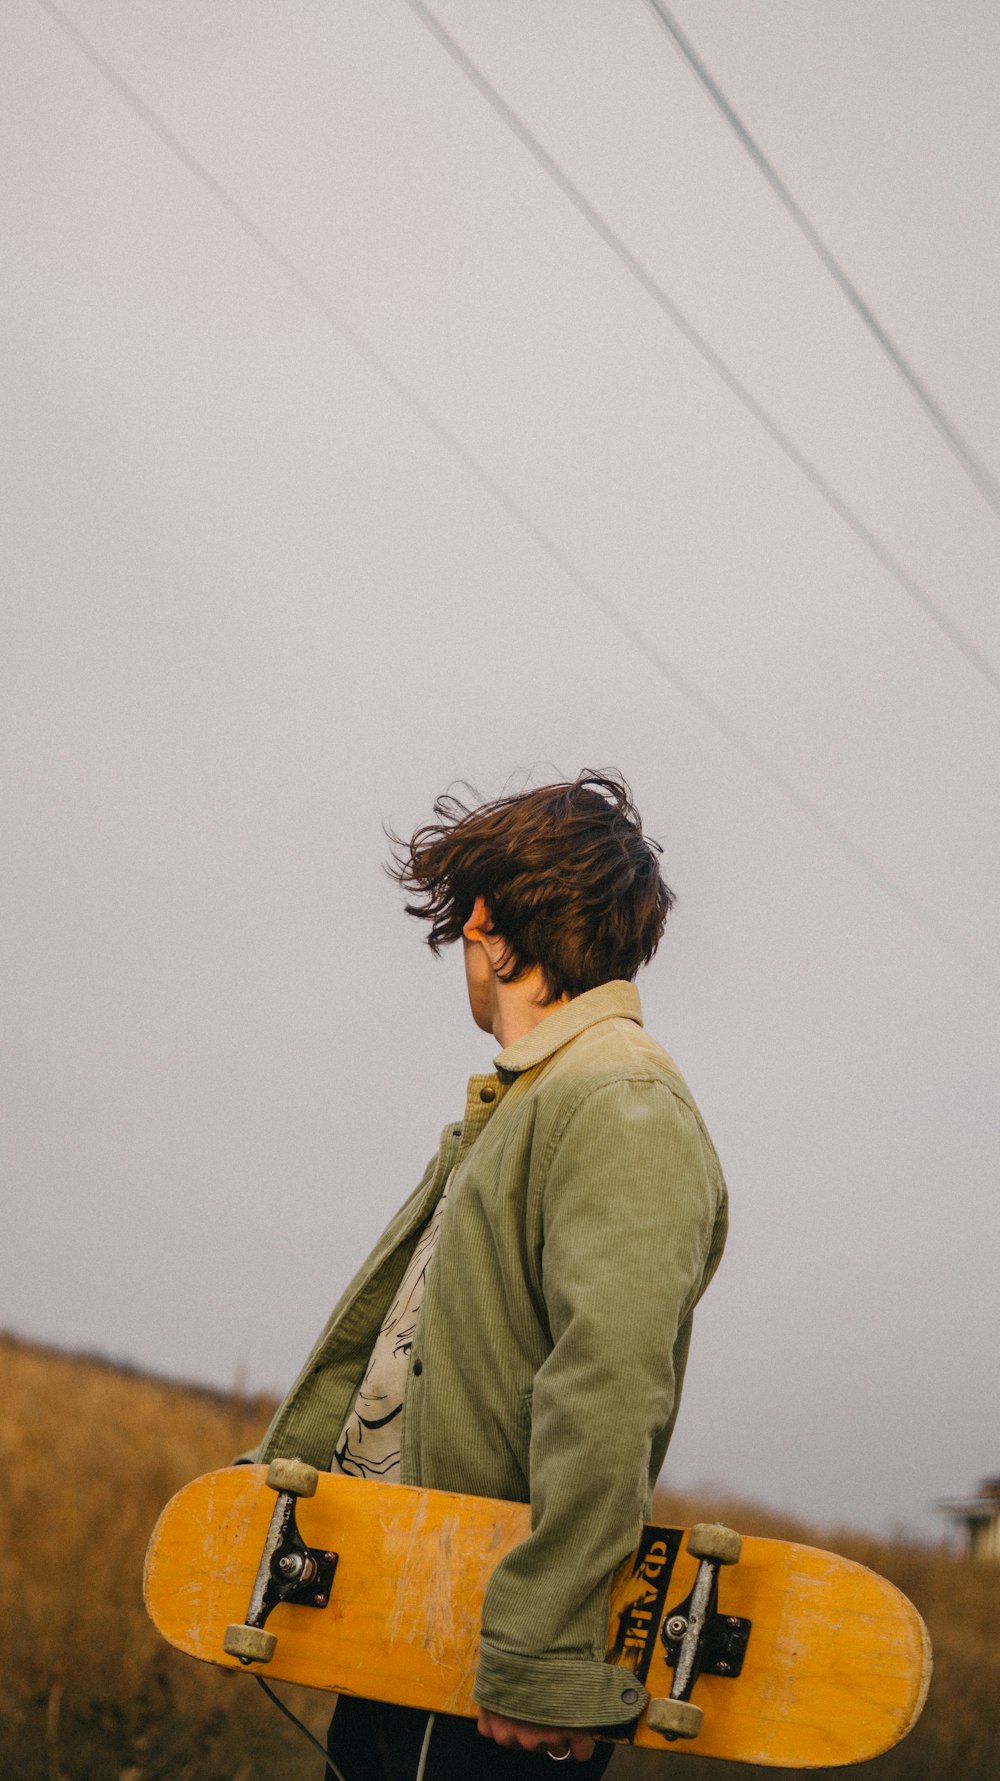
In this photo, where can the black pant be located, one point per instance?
(372, 1742)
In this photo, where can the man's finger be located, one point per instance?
(561, 1745)
(520, 1734)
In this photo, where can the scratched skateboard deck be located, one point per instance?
(817, 1661)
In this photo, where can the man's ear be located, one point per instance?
(480, 924)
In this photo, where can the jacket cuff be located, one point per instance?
(565, 1691)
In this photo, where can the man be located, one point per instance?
(521, 1329)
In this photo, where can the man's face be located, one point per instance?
(479, 981)
(479, 947)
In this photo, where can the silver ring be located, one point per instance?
(567, 1753)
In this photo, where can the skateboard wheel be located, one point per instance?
(708, 1539)
(250, 1643)
(294, 1476)
(675, 1719)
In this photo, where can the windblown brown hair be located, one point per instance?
(571, 882)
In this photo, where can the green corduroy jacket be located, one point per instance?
(585, 1219)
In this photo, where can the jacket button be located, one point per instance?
(487, 1094)
(630, 1696)
(418, 1367)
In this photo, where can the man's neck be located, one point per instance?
(520, 1006)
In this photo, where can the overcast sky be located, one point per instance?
(341, 459)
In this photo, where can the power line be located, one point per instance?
(785, 443)
(975, 468)
(577, 577)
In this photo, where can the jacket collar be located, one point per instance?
(609, 1001)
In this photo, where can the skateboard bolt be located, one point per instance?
(723, 1668)
(291, 1565)
(676, 1626)
(320, 1601)
(733, 1620)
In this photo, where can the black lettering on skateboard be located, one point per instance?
(639, 1620)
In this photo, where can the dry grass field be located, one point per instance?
(88, 1692)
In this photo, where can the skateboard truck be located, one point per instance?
(698, 1640)
(289, 1571)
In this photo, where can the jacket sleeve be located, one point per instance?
(632, 1199)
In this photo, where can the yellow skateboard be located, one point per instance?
(758, 1650)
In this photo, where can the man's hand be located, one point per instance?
(523, 1734)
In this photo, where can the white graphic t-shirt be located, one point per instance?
(369, 1441)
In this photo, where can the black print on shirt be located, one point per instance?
(369, 1444)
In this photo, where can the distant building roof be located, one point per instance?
(984, 1506)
